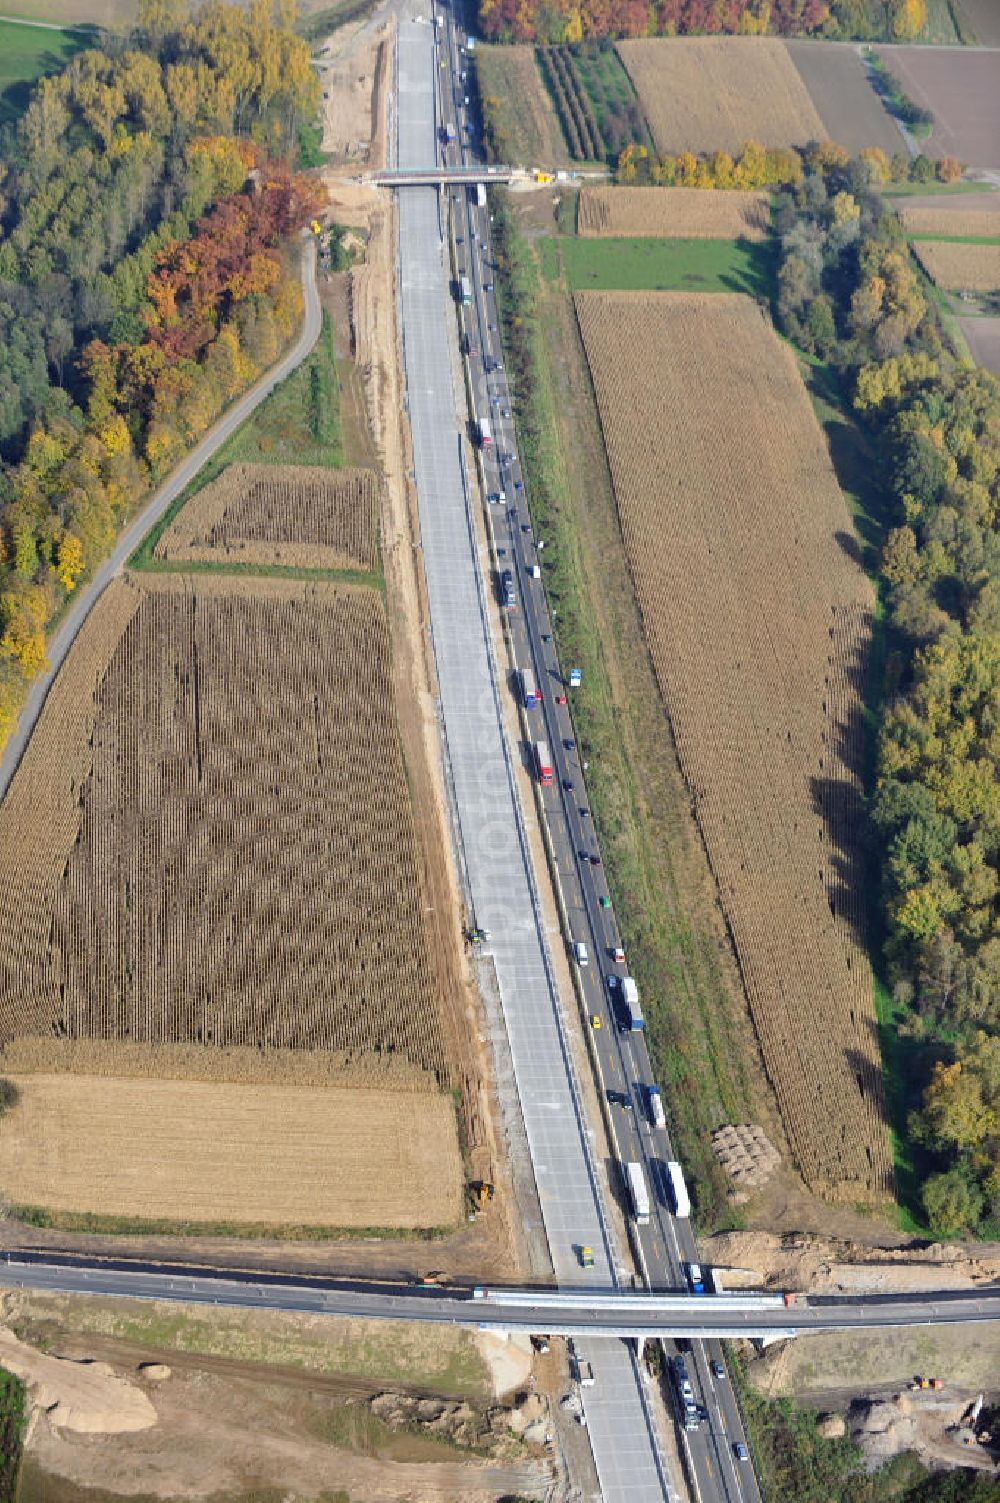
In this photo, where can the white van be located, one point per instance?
(580, 951)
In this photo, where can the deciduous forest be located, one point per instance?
(850, 294)
(553, 21)
(144, 213)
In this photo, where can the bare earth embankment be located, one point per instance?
(758, 620)
(674, 213)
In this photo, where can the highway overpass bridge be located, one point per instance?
(443, 177)
(566, 1312)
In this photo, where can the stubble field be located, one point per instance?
(960, 266)
(674, 213)
(959, 87)
(715, 93)
(210, 838)
(758, 620)
(222, 1152)
(975, 214)
(279, 514)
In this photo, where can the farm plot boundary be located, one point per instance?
(960, 266)
(758, 621)
(292, 516)
(674, 213)
(222, 1152)
(231, 741)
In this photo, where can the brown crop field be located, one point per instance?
(674, 213)
(976, 214)
(960, 266)
(715, 93)
(191, 1150)
(984, 18)
(277, 514)
(982, 335)
(520, 117)
(758, 620)
(837, 82)
(210, 839)
(961, 88)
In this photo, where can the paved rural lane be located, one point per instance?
(66, 633)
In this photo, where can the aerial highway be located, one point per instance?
(493, 855)
(576, 1312)
(665, 1246)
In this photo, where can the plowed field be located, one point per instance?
(715, 93)
(960, 88)
(758, 621)
(271, 514)
(960, 266)
(210, 838)
(674, 213)
(221, 1152)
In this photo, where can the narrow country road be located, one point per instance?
(66, 633)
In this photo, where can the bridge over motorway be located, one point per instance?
(613, 1313)
(444, 177)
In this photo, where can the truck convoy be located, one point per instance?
(529, 689)
(638, 1193)
(678, 1190)
(630, 1018)
(689, 1411)
(543, 763)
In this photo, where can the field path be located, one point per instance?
(65, 635)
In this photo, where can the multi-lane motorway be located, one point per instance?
(666, 1245)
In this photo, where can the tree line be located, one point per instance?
(556, 21)
(850, 294)
(757, 166)
(143, 281)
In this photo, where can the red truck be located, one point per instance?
(543, 763)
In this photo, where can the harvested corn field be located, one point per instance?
(715, 93)
(976, 214)
(275, 514)
(215, 1153)
(210, 840)
(960, 266)
(758, 621)
(674, 213)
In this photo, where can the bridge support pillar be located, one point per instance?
(640, 1346)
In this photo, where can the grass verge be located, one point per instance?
(264, 1231)
(13, 1420)
(28, 53)
(658, 265)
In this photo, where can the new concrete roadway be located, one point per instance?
(493, 849)
(66, 633)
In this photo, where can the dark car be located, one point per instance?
(740, 1451)
(718, 1371)
(568, 784)
(594, 860)
(620, 1098)
(569, 744)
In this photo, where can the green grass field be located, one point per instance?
(655, 265)
(28, 53)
